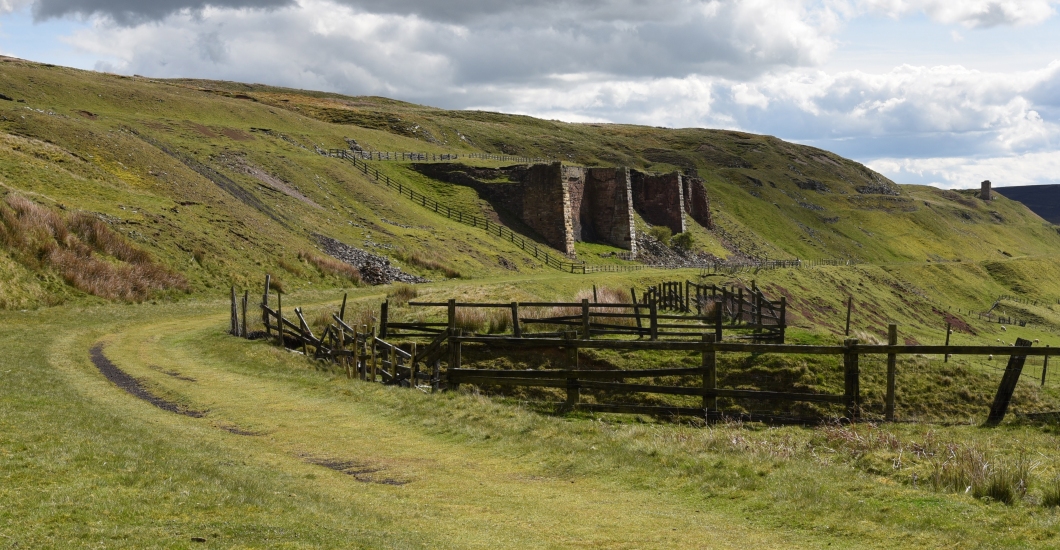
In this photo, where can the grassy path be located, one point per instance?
(86, 464)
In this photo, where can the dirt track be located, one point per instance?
(132, 385)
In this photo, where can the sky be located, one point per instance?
(939, 92)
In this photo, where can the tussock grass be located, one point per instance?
(331, 266)
(431, 262)
(484, 320)
(401, 294)
(84, 250)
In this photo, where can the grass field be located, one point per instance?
(129, 206)
(86, 464)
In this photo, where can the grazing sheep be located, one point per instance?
(1036, 341)
(1003, 328)
(990, 357)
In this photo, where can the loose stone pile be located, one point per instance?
(375, 270)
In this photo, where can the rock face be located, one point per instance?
(566, 204)
(375, 270)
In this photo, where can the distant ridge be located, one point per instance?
(1043, 200)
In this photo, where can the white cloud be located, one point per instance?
(969, 13)
(964, 173)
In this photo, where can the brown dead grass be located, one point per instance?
(88, 254)
(331, 266)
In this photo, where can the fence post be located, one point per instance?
(946, 357)
(739, 306)
(850, 306)
(892, 368)
(516, 329)
(279, 317)
(265, 303)
(852, 391)
(636, 311)
(653, 311)
(572, 383)
(246, 298)
(1008, 385)
(717, 319)
(452, 314)
(586, 334)
(783, 318)
(1045, 366)
(382, 318)
(342, 310)
(710, 375)
(233, 321)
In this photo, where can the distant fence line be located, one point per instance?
(438, 157)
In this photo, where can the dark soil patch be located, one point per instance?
(359, 471)
(956, 323)
(202, 129)
(121, 379)
(88, 114)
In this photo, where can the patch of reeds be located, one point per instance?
(78, 247)
(484, 320)
(425, 261)
(401, 294)
(331, 266)
(1051, 493)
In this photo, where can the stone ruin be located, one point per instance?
(566, 204)
(984, 192)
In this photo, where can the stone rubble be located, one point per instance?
(375, 270)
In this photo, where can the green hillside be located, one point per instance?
(217, 180)
(129, 206)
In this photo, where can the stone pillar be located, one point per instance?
(546, 206)
(985, 193)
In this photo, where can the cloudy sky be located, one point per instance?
(946, 92)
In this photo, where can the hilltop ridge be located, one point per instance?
(217, 180)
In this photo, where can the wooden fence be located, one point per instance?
(363, 354)
(435, 157)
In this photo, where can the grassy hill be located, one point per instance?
(216, 180)
(132, 204)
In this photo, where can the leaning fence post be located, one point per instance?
(892, 368)
(1008, 385)
(852, 391)
(342, 310)
(710, 375)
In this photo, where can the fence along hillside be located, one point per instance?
(549, 257)
(369, 353)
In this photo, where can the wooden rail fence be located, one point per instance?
(362, 353)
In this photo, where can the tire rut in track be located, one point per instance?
(133, 386)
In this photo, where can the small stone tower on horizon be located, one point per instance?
(985, 192)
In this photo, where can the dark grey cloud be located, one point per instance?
(130, 12)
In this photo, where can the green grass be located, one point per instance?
(86, 464)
